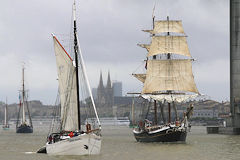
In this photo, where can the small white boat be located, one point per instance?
(5, 125)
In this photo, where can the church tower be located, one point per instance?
(109, 91)
(105, 94)
(100, 91)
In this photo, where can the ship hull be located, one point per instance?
(161, 136)
(24, 129)
(84, 144)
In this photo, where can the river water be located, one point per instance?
(119, 144)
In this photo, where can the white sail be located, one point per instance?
(23, 99)
(164, 75)
(166, 26)
(169, 44)
(23, 112)
(67, 87)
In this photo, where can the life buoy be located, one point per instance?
(169, 131)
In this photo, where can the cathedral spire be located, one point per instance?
(109, 84)
(100, 85)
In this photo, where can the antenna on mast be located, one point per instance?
(153, 16)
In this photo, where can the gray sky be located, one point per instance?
(108, 31)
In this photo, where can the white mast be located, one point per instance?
(74, 11)
(5, 119)
(23, 97)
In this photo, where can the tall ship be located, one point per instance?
(168, 80)
(6, 125)
(23, 125)
(79, 131)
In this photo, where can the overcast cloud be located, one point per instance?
(109, 31)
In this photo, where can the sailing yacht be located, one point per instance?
(79, 132)
(23, 125)
(168, 80)
(6, 125)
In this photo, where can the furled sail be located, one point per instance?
(169, 44)
(173, 75)
(166, 26)
(67, 87)
(171, 97)
(140, 77)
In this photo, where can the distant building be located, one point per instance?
(123, 100)
(105, 93)
(205, 113)
(117, 89)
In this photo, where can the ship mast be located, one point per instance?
(76, 61)
(5, 119)
(23, 97)
(169, 92)
(154, 57)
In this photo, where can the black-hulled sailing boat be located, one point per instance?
(6, 125)
(168, 80)
(23, 125)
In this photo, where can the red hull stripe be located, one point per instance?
(62, 47)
